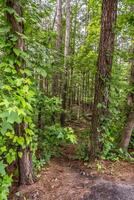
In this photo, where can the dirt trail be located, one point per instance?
(59, 181)
(68, 179)
(71, 180)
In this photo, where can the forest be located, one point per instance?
(66, 99)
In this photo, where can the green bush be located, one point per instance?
(5, 182)
(52, 138)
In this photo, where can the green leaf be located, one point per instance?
(2, 168)
(5, 126)
(28, 140)
(5, 29)
(19, 81)
(10, 135)
(4, 114)
(99, 105)
(9, 10)
(72, 138)
(20, 141)
(20, 154)
(5, 102)
(29, 132)
(13, 117)
(3, 149)
(11, 156)
(17, 51)
(42, 72)
(7, 87)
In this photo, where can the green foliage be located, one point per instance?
(53, 138)
(47, 107)
(131, 145)
(5, 182)
(26, 78)
(38, 163)
(50, 144)
(16, 96)
(81, 152)
(113, 125)
(116, 154)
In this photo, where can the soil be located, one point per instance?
(68, 179)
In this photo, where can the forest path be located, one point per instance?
(68, 179)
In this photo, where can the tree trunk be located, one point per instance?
(66, 54)
(25, 162)
(129, 126)
(103, 74)
(55, 82)
(26, 168)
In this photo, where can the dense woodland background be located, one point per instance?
(63, 62)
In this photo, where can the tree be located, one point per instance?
(129, 125)
(66, 56)
(55, 83)
(103, 74)
(38, 71)
(17, 29)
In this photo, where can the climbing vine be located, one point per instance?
(17, 93)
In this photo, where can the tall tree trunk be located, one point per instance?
(103, 74)
(25, 162)
(55, 81)
(66, 54)
(57, 75)
(129, 126)
(73, 49)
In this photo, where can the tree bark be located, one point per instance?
(25, 167)
(66, 54)
(129, 126)
(25, 162)
(103, 74)
(55, 83)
